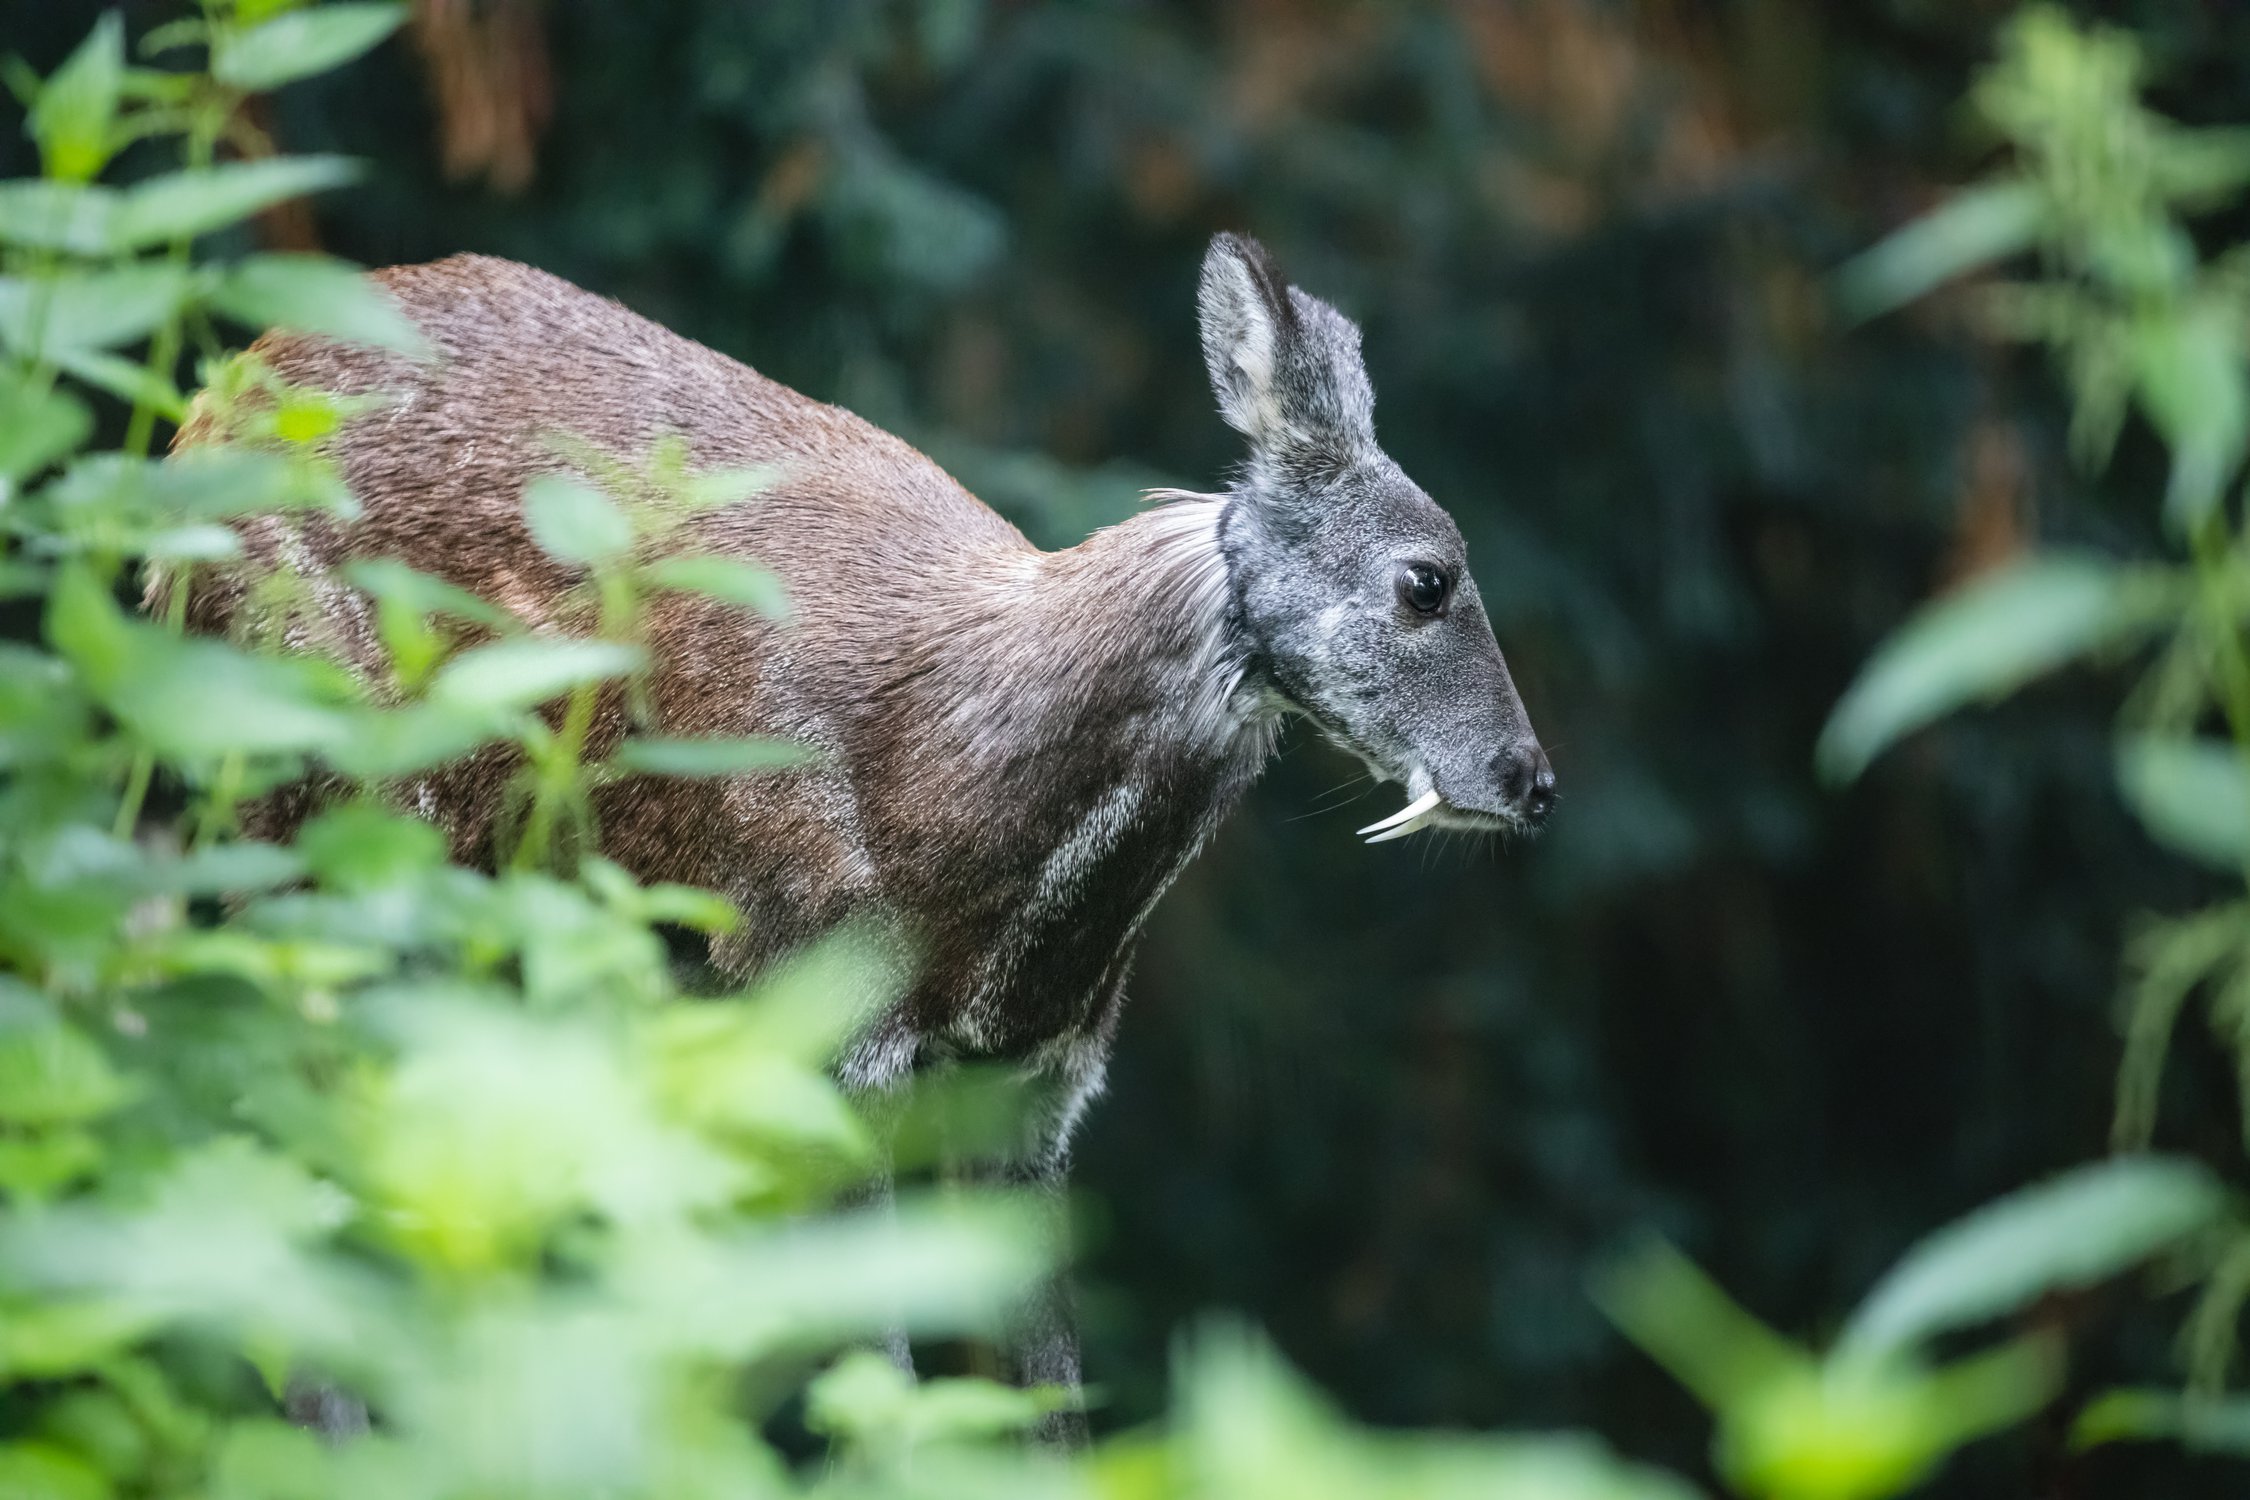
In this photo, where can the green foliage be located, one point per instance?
(2099, 186)
(1873, 1416)
(1982, 643)
(279, 1123)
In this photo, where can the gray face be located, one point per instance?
(1353, 584)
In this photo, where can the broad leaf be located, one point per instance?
(2073, 1231)
(524, 673)
(573, 522)
(300, 43)
(128, 380)
(75, 218)
(395, 583)
(314, 294)
(88, 310)
(1974, 228)
(78, 104)
(712, 757)
(2191, 379)
(1978, 644)
(723, 579)
(37, 427)
(2205, 1424)
(181, 205)
(2193, 796)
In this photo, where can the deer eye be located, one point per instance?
(1424, 587)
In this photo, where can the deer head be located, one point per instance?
(1351, 584)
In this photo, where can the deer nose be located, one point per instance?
(1527, 781)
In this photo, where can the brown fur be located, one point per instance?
(975, 700)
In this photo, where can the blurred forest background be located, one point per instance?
(1391, 1102)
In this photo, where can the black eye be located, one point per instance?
(1424, 587)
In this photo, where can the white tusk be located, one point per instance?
(1411, 825)
(1413, 812)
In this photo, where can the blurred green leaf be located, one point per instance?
(525, 673)
(867, 1399)
(1979, 644)
(1860, 1430)
(2191, 379)
(217, 869)
(575, 523)
(724, 579)
(65, 1336)
(50, 1074)
(74, 218)
(37, 427)
(380, 743)
(40, 1471)
(2204, 1424)
(128, 380)
(314, 294)
(197, 200)
(80, 310)
(36, 1166)
(2193, 796)
(394, 582)
(271, 1460)
(1681, 1318)
(299, 43)
(2072, 1231)
(1975, 227)
(363, 846)
(77, 106)
(951, 1267)
(709, 757)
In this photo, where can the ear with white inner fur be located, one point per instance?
(1284, 365)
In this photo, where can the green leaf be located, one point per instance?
(871, 1401)
(41, 1164)
(41, 1471)
(86, 627)
(709, 757)
(394, 582)
(315, 294)
(723, 579)
(1663, 1302)
(218, 869)
(1979, 644)
(300, 43)
(128, 380)
(2075, 1230)
(1976, 227)
(197, 699)
(575, 523)
(37, 427)
(51, 1075)
(419, 737)
(64, 1336)
(181, 205)
(2193, 796)
(2189, 365)
(363, 846)
(2203, 1424)
(72, 311)
(74, 218)
(524, 673)
(77, 106)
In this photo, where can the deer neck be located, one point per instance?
(1127, 646)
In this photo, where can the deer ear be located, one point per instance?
(1284, 365)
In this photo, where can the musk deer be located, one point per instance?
(1020, 749)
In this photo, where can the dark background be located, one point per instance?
(1392, 1102)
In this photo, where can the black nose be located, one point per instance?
(1527, 781)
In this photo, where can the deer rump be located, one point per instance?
(1015, 751)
